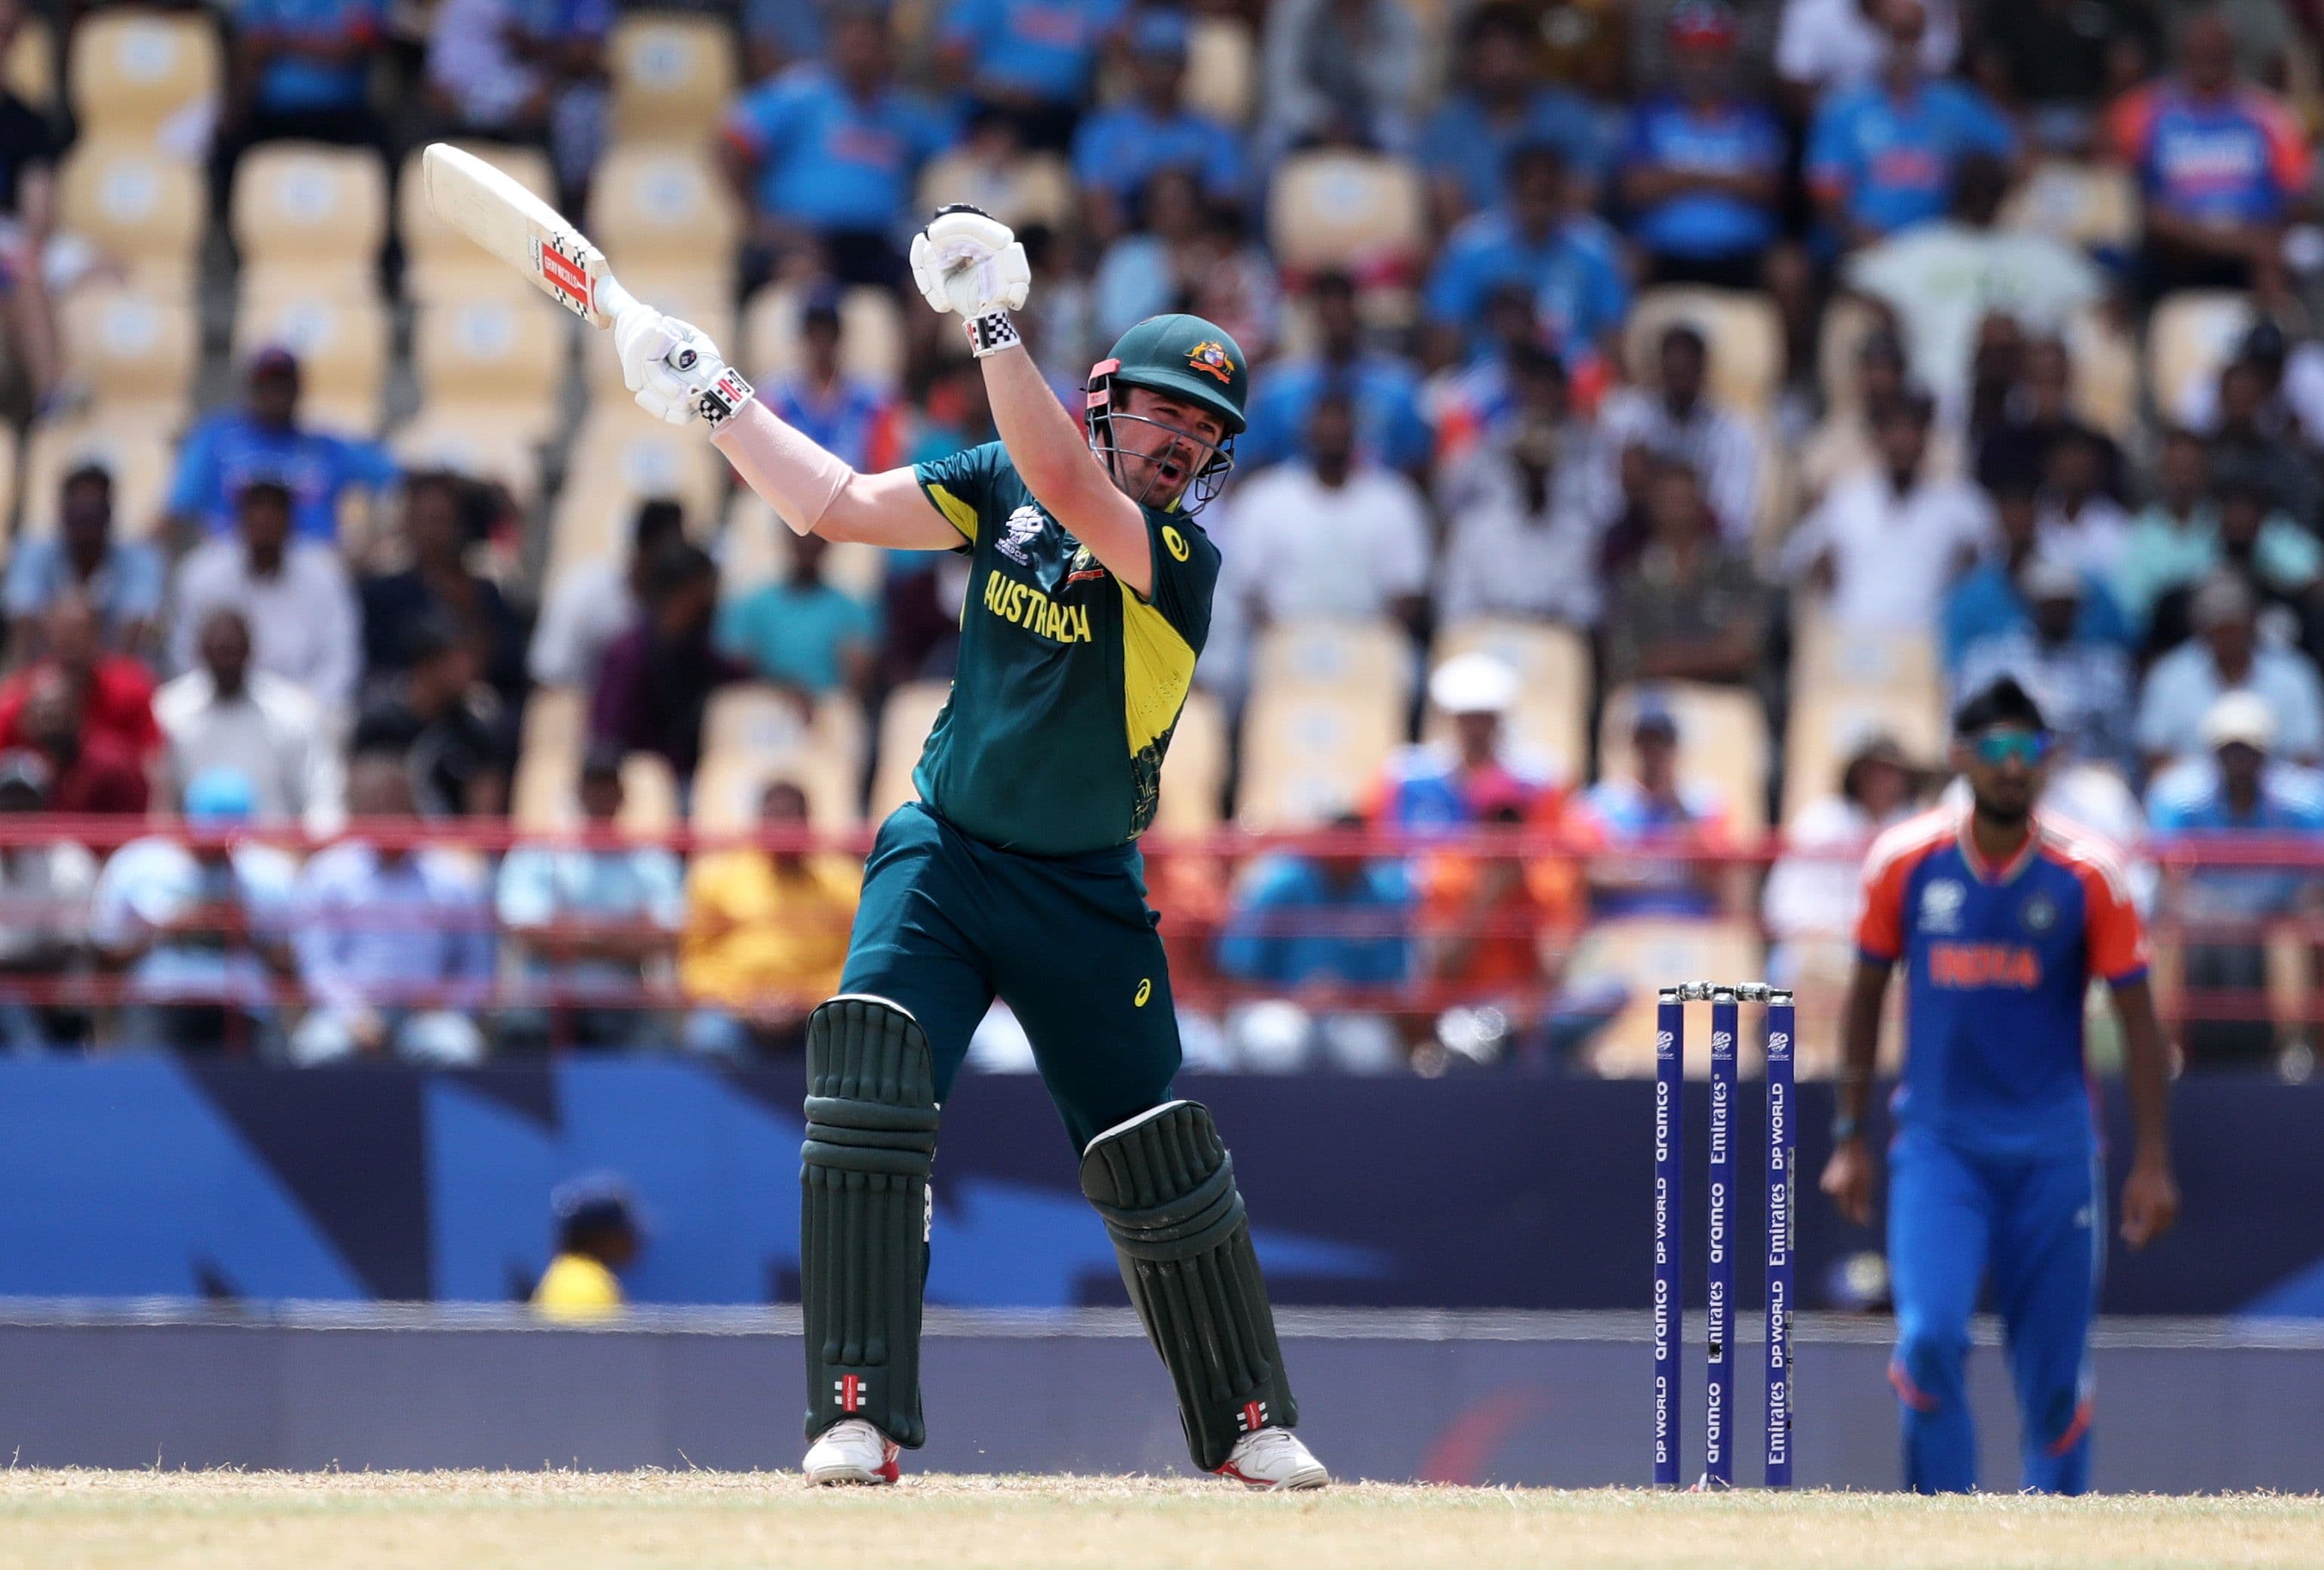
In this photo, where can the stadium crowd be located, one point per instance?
(1662, 410)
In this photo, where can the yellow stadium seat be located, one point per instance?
(2106, 373)
(504, 356)
(653, 206)
(754, 734)
(1848, 321)
(729, 787)
(2088, 206)
(1358, 212)
(1723, 742)
(1194, 770)
(1848, 687)
(673, 77)
(870, 333)
(479, 441)
(442, 264)
(1221, 68)
(549, 762)
(904, 725)
(622, 456)
(341, 342)
(303, 208)
(1742, 329)
(133, 71)
(2191, 335)
(1649, 952)
(1032, 187)
(705, 299)
(1330, 654)
(127, 347)
(649, 796)
(1552, 713)
(30, 68)
(756, 549)
(1309, 752)
(141, 457)
(143, 210)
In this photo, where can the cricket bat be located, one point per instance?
(523, 231)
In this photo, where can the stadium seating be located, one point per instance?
(30, 70)
(134, 354)
(1649, 952)
(909, 714)
(1033, 188)
(673, 77)
(342, 343)
(1331, 655)
(500, 359)
(479, 442)
(757, 547)
(309, 217)
(141, 457)
(143, 210)
(1847, 322)
(1357, 212)
(1552, 713)
(1194, 770)
(2191, 335)
(665, 209)
(622, 456)
(755, 735)
(870, 333)
(1743, 332)
(441, 264)
(2094, 207)
(139, 74)
(1848, 687)
(1221, 68)
(1722, 742)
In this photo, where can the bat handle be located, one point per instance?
(612, 299)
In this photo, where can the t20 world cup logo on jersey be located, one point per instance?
(1023, 524)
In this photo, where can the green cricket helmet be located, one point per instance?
(1179, 356)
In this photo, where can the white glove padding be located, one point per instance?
(687, 377)
(969, 262)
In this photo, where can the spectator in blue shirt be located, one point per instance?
(848, 417)
(1033, 59)
(299, 70)
(264, 440)
(1502, 103)
(2238, 789)
(1988, 601)
(1321, 920)
(1570, 261)
(801, 631)
(1118, 150)
(1881, 157)
(777, 33)
(529, 71)
(122, 581)
(1700, 171)
(828, 156)
(1384, 390)
(395, 946)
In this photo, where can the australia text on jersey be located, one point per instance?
(1023, 606)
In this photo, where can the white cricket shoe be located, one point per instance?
(1272, 1459)
(851, 1451)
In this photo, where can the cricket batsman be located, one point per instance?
(1016, 872)
(2000, 918)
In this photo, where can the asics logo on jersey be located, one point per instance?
(1175, 542)
(1023, 524)
(1984, 964)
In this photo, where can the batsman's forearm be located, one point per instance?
(1042, 442)
(798, 478)
(2146, 1068)
(1860, 1039)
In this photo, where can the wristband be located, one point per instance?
(991, 333)
(717, 402)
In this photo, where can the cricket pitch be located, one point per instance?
(704, 1520)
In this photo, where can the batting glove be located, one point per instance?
(968, 261)
(675, 370)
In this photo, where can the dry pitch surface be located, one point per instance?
(225, 1521)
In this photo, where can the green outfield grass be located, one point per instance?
(702, 1521)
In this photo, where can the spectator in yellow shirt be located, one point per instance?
(597, 1236)
(765, 938)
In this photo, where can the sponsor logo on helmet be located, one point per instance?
(1210, 358)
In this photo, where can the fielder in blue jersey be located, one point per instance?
(2000, 919)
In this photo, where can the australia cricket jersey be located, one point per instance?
(1068, 684)
(1996, 962)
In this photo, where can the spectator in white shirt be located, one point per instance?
(2079, 522)
(1885, 546)
(596, 602)
(1522, 534)
(223, 715)
(294, 596)
(1328, 536)
(1677, 421)
(2225, 655)
(44, 895)
(510, 72)
(1815, 891)
(1826, 44)
(1938, 280)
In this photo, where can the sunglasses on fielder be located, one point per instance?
(1995, 748)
